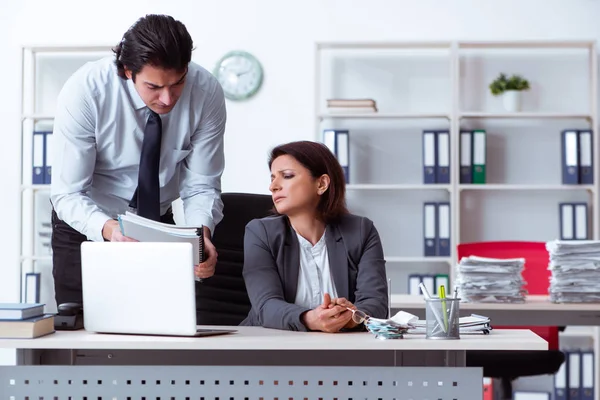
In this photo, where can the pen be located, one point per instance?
(444, 307)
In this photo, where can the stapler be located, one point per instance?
(69, 317)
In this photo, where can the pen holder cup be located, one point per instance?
(442, 316)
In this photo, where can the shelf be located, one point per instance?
(559, 44)
(526, 115)
(69, 49)
(383, 115)
(36, 117)
(36, 258)
(36, 188)
(418, 259)
(384, 45)
(502, 186)
(370, 186)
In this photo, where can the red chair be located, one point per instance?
(511, 365)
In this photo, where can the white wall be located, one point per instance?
(282, 35)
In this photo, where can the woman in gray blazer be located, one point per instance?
(307, 266)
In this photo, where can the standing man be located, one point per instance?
(135, 131)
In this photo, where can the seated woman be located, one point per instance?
(306, 267)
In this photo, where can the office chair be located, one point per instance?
(222, 299)
(509, 365)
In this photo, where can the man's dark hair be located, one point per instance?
(156, 40)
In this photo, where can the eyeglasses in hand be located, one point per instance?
(358, 316)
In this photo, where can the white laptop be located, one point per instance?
(140, 288)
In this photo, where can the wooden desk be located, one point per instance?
(352, 365)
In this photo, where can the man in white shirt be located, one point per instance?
(135, 132)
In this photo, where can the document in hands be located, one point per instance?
(146, 230)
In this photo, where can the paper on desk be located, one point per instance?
(401, 318)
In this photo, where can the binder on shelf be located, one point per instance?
(338, 142)
(38, 158)
(570, 157)
(429, 283)
(581, 221)
(566, 221)
(48, 140)
(442, 279)
(443, 157)
(587, 375)
(429, 157)
(479, 156)
(586, 163)
(413, 284)
(574, 374)
(32, 287)
(466, 173)
(560, 382)
(443, 229)
(430, 229)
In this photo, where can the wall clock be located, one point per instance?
(240, 74)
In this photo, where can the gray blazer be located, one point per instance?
(272, 264)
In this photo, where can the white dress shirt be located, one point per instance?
(98, 134)
(314, 277)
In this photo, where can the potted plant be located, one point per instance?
(510, 89)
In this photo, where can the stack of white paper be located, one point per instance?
(482, 279)
(472, 324)
(575, 271)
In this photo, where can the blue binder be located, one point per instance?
(38, 158)
(48, 140)
(443, 157)
(570, 157)
(429, 157)
(443, 229)
(466, 157)
(430, 234)
(586, 157)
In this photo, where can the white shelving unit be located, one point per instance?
(444, 86)
(45, 69)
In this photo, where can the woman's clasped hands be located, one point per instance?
(330, 316)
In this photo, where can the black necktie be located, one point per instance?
(147, 195)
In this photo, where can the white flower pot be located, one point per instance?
(512, 100)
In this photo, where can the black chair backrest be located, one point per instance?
(223, 299)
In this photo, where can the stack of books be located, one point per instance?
(575, 271)
(486, 280)
(351, 106)
(24, 321)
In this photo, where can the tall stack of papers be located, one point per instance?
(575, 271)
(481, 279)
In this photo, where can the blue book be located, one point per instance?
(19, 311)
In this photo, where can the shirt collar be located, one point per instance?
(138, 103)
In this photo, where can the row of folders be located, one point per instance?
(575, 378)
(573, 222)
(42, 158)
(576, 155)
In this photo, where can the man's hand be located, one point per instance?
(327, 317)
(342, 302)
(207, 268)
(112, 232)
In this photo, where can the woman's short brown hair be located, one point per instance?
(319, 160)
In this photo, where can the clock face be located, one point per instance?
(240, 74)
